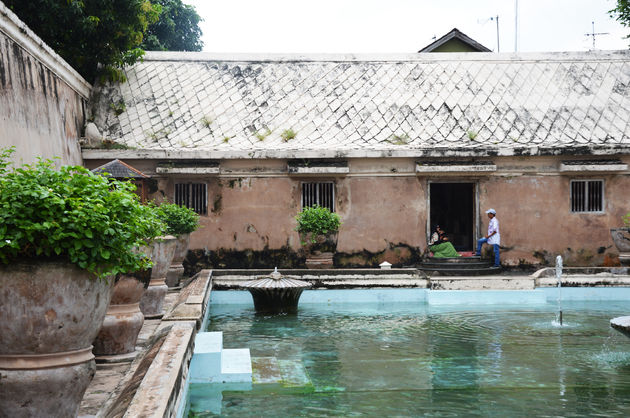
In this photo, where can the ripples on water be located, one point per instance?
(406, 359)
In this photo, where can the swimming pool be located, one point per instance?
(385, 356)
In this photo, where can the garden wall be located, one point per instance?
(42, 99)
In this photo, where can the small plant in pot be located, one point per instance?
(64, 233)
(318, 228)
(621, 238)
(180, 222)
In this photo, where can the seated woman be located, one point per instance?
(440, 246)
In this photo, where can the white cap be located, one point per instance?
(492, 211)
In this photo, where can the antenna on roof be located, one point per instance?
(593, 34)
(496, 19)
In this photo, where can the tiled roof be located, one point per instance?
(119, 170)
(197, 101)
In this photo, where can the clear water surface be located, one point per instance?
(410, 359)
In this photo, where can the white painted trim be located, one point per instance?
(621, 55)
(459, 169)
(187, 170)
(24, 37)
(318, 170)
(572, 168)
(263, 154)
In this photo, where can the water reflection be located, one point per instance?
(401, 359)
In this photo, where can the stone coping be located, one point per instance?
(17, 30)
(192, 303)
(315, 272)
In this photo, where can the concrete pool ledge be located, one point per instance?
(584, 277)
(192, 301)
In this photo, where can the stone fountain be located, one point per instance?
(276, 293)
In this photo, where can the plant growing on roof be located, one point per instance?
(402, 139)
(178, 219)
(471, 134)
(317, 220)
(74, 215)
(262, 134)
(206, 121)
(288, 134)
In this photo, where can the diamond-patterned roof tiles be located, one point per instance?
(212, 102)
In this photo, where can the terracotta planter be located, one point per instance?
(320, 249)
(621, 238)
(51, 312)
(152, 301)
(123, 321)
(176, 270)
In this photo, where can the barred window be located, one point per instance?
(322, 194)
(193, 196)
(587, 195)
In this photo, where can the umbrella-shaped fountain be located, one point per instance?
(276, 293)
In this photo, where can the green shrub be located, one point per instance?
(74, 215)
(178, 219)
(626, 219)
(318, 220)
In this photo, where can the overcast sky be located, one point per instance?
(403, 26)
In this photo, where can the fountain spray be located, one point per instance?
(559, 279)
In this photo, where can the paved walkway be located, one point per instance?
(110, 378)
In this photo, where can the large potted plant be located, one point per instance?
(318, 228)
(180, 222)
(621, 238)
(64, 234)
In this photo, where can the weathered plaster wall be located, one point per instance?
(42, 99)
(537, 224)
(384, 208)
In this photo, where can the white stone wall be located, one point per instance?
(43, 100)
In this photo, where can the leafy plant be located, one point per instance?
(288, 134)
(178, 219)
(471, 134)
(119, 107)
(317, 220)
(626, 219)
(96, 37)
(72, 214)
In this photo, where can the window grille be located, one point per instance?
(322, 194)
(193, 196)
(587, 196)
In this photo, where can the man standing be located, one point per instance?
(493, 238)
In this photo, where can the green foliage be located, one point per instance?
(626, 219)
(621, 13)
(288, 134)
(471, 134)
(176, 30)
(318, 220)
(178, 219)
(119, 107)
(96, 37)
(74, 215)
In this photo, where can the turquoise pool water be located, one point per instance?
(408, 358)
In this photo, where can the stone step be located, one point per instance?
(236, 365)
(483, 271)
(454, 266)
(212, 363)
(289, 373)
(457, 260)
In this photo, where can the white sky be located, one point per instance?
(402, 26)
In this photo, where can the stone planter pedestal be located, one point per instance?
(116, 341)
(621, 238)
(51, 312)
(176, 270)
(152, 301)
(319, 254)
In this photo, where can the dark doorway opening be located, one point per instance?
(452, 207)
